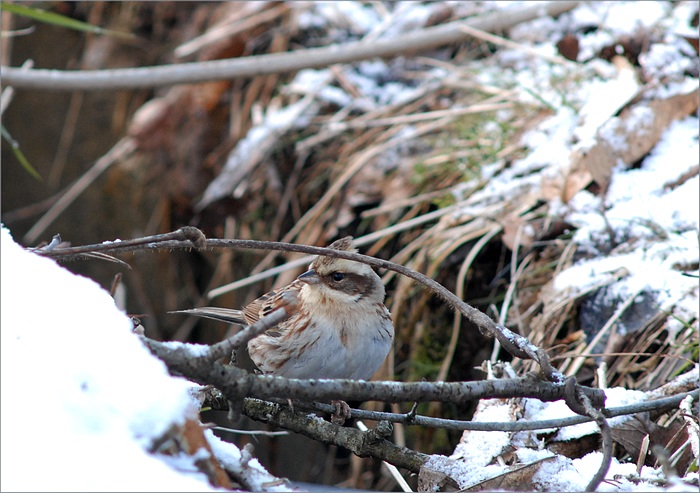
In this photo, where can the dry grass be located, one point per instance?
(405, 179)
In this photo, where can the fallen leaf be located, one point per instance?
(517, 479)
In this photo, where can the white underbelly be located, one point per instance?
(333, 356)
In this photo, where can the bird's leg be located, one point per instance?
(342, 412)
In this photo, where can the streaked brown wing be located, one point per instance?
(269, 302)
(254, 311)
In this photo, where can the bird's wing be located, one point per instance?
(254, 311)
(269, 302)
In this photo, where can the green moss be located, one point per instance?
(432, 349)
(445, 200)
(460, 150)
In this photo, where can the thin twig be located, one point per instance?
(658, 405)
(185, 237)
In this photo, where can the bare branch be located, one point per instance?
(412, 42)
(453, 424)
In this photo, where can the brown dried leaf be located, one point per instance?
(694, 42)
(517, 479)
(568, 47)
(514, 239)
(189, 439)
(580, 174)
(672, 437)
(575, 449)
(432, 480)
(639, 134)
(630, 433)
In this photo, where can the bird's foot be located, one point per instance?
(342, 412)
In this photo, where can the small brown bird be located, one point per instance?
(340, 328)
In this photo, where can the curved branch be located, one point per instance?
(579, 403)
(606, 433)
(412, 42)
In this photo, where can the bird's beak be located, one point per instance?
(309, 277)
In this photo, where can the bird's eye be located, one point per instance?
(338, 276)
